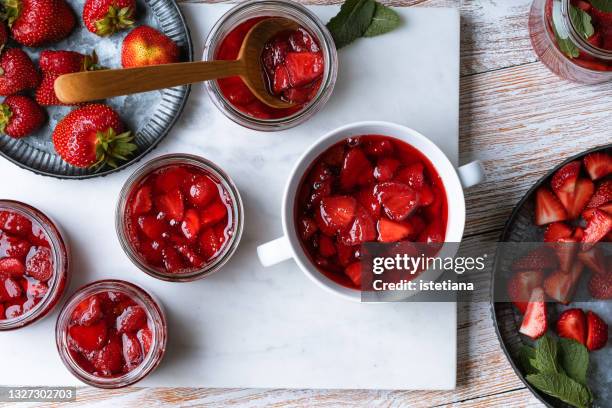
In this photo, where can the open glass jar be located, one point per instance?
(34, 265)
(573, 39)
(179, 217)
(111, 334)
(229, 32)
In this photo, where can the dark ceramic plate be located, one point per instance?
(149, 115)
(520, 228)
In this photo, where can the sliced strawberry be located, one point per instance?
(412, 175)
(335, 214)
(326, 246)
(534, 322)
(209, 243)
(597, 331)
(172, 205)
(556, 231)
(353, 271)
(561, 285)
(9, 290)
(170, 178)
(390, 231)
(578, 233)
(369, 201)
(548, 208)
(88, 338)
(520, 286)
(11, 267)
(152, 227)
(598, 227)
(88, 312)
(13, 246)
(281, 80)
(385, 169)
(307, 227)
(398, 199)
(39, 264)
(172, 260)
(593, 259)
(566, 250)
(602, 196)
(582, 195)
(214, 213)
(563, 183)
(572, 325)
(145, 337)
(190, 256)
(540, 258)
(598, 164)
(132, 350)
(304, 67)
(361, 230)
(15, 224)
(108, 361)
(600, 286)
(356, 169)
(588, 213)
(131, 319)
(191, 224)
(202, 191)
(142, 202)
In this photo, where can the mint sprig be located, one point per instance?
(581, 20)
(602, 5)
(361, 18)
(558, 369)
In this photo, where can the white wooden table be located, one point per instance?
(520, 120)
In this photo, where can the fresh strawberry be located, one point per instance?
(563, 183)
(131, 319)
(598, 164)
(88, 338)
(108, 361)
(520, 286)
(548, 208)
(20, 116)
(597, 331)
(335, 214)
(353, 271)
(214, 213)
(304, 67)
(572, 325)
(556, 231)
(593, 259)
(172, 205)
(202, 191)
(13, 246)
(540, 258)
(106, 17)
(326, 246)
(398, 199)
(356, 169)
(15, 224)
(534, 323)
(582, 195)
(412, 175)
(561, 285)
(132, 350)
(38, 22)
(92, 136)
(145, 337)
(385, 169)
(17, 72)
(566, 250)
(145, 45)
(9, 289)
(142, 202)
(39, 264)
(361, 230)
(11, 267)
(151, 226)
(600, 286)
(602, 196)
(390, 231)
(588, 213)
(88, 312)
(598, 227)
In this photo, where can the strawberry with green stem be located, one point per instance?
(106, 17)
(20, 116)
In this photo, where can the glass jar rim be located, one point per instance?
(169, 160)
(61, 262)
(154, 312)
(578, 39)
(313, 23)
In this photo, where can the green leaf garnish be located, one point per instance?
(566, 46)
(581, 20)
(385, 20)
(574, 358)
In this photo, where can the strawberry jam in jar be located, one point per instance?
(573, 38)
(179, 218)
(300, 66)
(111, 334)
(34, 265)
(369, 188)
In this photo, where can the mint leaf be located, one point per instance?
(385, 19)
(526, 356)
(602, 5)
(574, 358)
(546, 355)
(352, 21)
(562, 387)
(581, 20)
(566, 46)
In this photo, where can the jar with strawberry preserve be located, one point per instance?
(34, 265)
(573, 38)
(300, 65)
(111, 334)
(179, 217)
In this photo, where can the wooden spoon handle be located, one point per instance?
(94, 85)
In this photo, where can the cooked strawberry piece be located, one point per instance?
(398, 199)
(145, 337)
(593, 259)
(385, 169)
(598, 227)
(131, 319)
(172, 260)
(11, 267)
(236, 91)
(39, 264)
(88, 338)
(209, 243)
(13, 311)
(556, 231)
(142, 202)
(353, 271)
(582, 195)
(303, 67)
(171, 204)
(540, 258)
(369, 201)
(563, 183)
(191, 224)
(13, 246)
(600, 286)
(190, 256)
(412, 175)
(346, 254)
(326, 246)
(356, 170)
(132, 350)
(566, 250)
(9, 289)
(109, 360)
(390, 231)
(335, 214)
(168, 179)
(572, 325)
(379, 147)
(202, 191)
(301, 41)
(35, 289)
(434, 233)
(15, 224)
(598, 164)
(281, 80)
(361, 230)
(520, 286)
(307, 227)
(597, 332)
(152, 227)
(88, 312)
(561, 285)
(213, 214)
(548, 208)
(534, 323)
(334, 156)
(426, 196)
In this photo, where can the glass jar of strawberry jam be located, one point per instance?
(300, 65)
(573, 38)
(179, 217)
(34, 265)
(111, 334)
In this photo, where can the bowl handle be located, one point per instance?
(471, 174)
(274, 252)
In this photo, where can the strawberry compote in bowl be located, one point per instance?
(300, 65)
(179, 217)
(34, 265)
(111, 334)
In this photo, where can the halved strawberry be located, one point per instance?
(142, 202)
(598, 227)
(9, 290)
(588, 213)
(108, 361)
(540, 258)
(566, 250)
(13, 246)
(353, 271)
(390, 231)
(572, 325)
(597, 332)
(593, 259)
(556, 231)
(151, 226)
(11, 267)
(412, 175)
(534, 323)
(326, 246)
(361, 230)
(385, 169)
(561, 285)
(398, 199)
(132, 350)
(582, 195)
(304, 67)
(88, 338)
(39, 264)
(356, 169)
(563, 182)
(335, 214)
(212, 214)
(202, 191)
(602, 196)
(548, 208)
(131, 319)
(307, 227)
(520, 286)
(598, 164)
(191, 224)
(600, 286)
(369, 201)
(88, 312)
(171, 204)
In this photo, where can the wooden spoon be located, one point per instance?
(94, 85)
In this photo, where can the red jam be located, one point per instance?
(364, 189)
(26, 264)
(179, 218)
(109, 334)
(293, 64)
